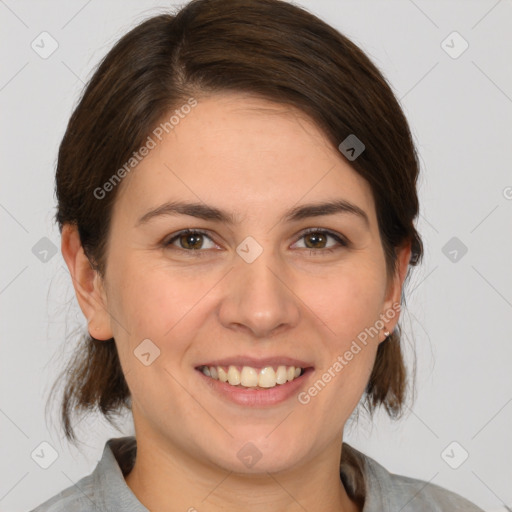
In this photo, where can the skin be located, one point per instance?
(256, 159)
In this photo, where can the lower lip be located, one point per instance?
(257, 397)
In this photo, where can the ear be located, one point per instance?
(391, 308)
(87, 283)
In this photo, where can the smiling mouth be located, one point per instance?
(253, 378)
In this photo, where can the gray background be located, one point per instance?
(458, 312)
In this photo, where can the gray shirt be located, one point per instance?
(105, 488)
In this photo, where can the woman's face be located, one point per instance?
(248, 290)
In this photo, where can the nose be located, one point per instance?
(259, 297)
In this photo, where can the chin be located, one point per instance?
(259, 454)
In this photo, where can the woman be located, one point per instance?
(236, 196)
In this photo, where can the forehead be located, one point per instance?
(245, 154)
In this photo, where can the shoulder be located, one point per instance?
(414, 495)
(105, 488)
(78, 497)
(386, 491)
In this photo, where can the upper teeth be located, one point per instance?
(249, 377)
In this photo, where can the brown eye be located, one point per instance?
(189, 241)
(316, 241)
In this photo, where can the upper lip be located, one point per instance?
(257, 362)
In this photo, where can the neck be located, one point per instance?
(170, 480)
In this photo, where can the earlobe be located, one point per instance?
(392, 304)
(87, 283)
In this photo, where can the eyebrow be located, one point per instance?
(211, 213)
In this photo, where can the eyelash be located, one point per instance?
(312, 252)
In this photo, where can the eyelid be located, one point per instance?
(168, 240)
(340, 239)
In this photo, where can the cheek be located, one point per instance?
(154, 291)
(350, 305)
(151, 302)
(349, 301)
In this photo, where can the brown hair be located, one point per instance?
(269, 48)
